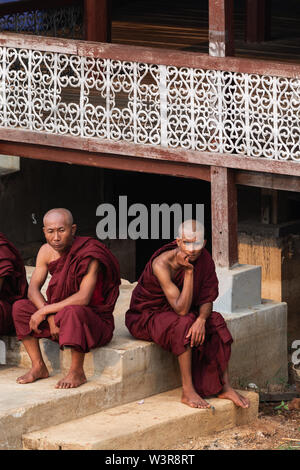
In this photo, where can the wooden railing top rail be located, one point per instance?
(11, 8)
(150, 55)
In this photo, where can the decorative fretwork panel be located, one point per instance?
(168, 106)
(66, 22)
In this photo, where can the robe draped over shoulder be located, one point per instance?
(151, 317)
(82, 327)
(14, 286)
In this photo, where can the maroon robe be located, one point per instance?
(151, 318)
(82, 327)
(14, 286)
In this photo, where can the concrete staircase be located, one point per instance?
(131, 399)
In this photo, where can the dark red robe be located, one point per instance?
(82, 327)
(151, 318)
(14, 286)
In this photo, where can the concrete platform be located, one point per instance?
(158, 422)
(127, 370)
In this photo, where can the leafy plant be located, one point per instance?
(282, 406)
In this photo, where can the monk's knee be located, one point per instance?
(71, 312)
(20, 307)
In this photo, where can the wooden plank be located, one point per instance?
(178, 155)
(97, 20)
(277, 396)
(150, 55)
(224, 217)
(221, 37)
(115, 162)
(38, 43)
(269, 181)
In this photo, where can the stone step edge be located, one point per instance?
(140, 426)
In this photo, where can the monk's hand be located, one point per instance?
(183, 260)
(197, 333)
(54, 330)
(36, 319)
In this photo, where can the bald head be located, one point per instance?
(56, 215)
(59, 229)
(190, 229)
(190, 239)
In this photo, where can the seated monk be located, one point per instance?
(172, 306)
(81, 296)
(13, 283)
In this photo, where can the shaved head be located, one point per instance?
(59, 229)
(190, 229)
(58, 214)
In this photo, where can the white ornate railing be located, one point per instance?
(159, 105)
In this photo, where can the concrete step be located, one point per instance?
(137, 364)
(159, 422)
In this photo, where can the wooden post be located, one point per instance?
(224, 217)
(221, 35)
(97, 20)
(258, 20)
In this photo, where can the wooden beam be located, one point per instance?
(114, 162)
(258, 20)
(268, 181)
(221, 35)
(149, 152)
(224, 217)
(150, 55)
(97, 20)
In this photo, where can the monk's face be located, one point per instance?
(191, 245)
(59, 233)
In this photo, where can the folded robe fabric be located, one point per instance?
(151, 318)
(83, 327)
(14, 285)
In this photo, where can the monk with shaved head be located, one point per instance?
(80, 300)
(172, 306)
(13, 283)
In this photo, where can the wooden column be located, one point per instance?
(224, 217)
(258, 20)
(97, 20)
(221, 35)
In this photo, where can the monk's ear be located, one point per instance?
(178, 241)
(74, 228)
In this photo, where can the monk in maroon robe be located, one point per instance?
(13, 283)
(172, 306)
(81, 296)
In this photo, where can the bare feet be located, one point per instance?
(73, 380)
(192, 399)
(36, 372)
(238, 400)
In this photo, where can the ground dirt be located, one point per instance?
(273, 429)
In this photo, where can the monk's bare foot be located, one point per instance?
(230, 394)
(73, 380)
(36, 373)
(192, 399)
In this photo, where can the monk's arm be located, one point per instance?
(84, 295)
(205, 310)
(179, 301)
(38, 279)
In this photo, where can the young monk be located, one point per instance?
(172, 306)
(13, 283)
(81, 297)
